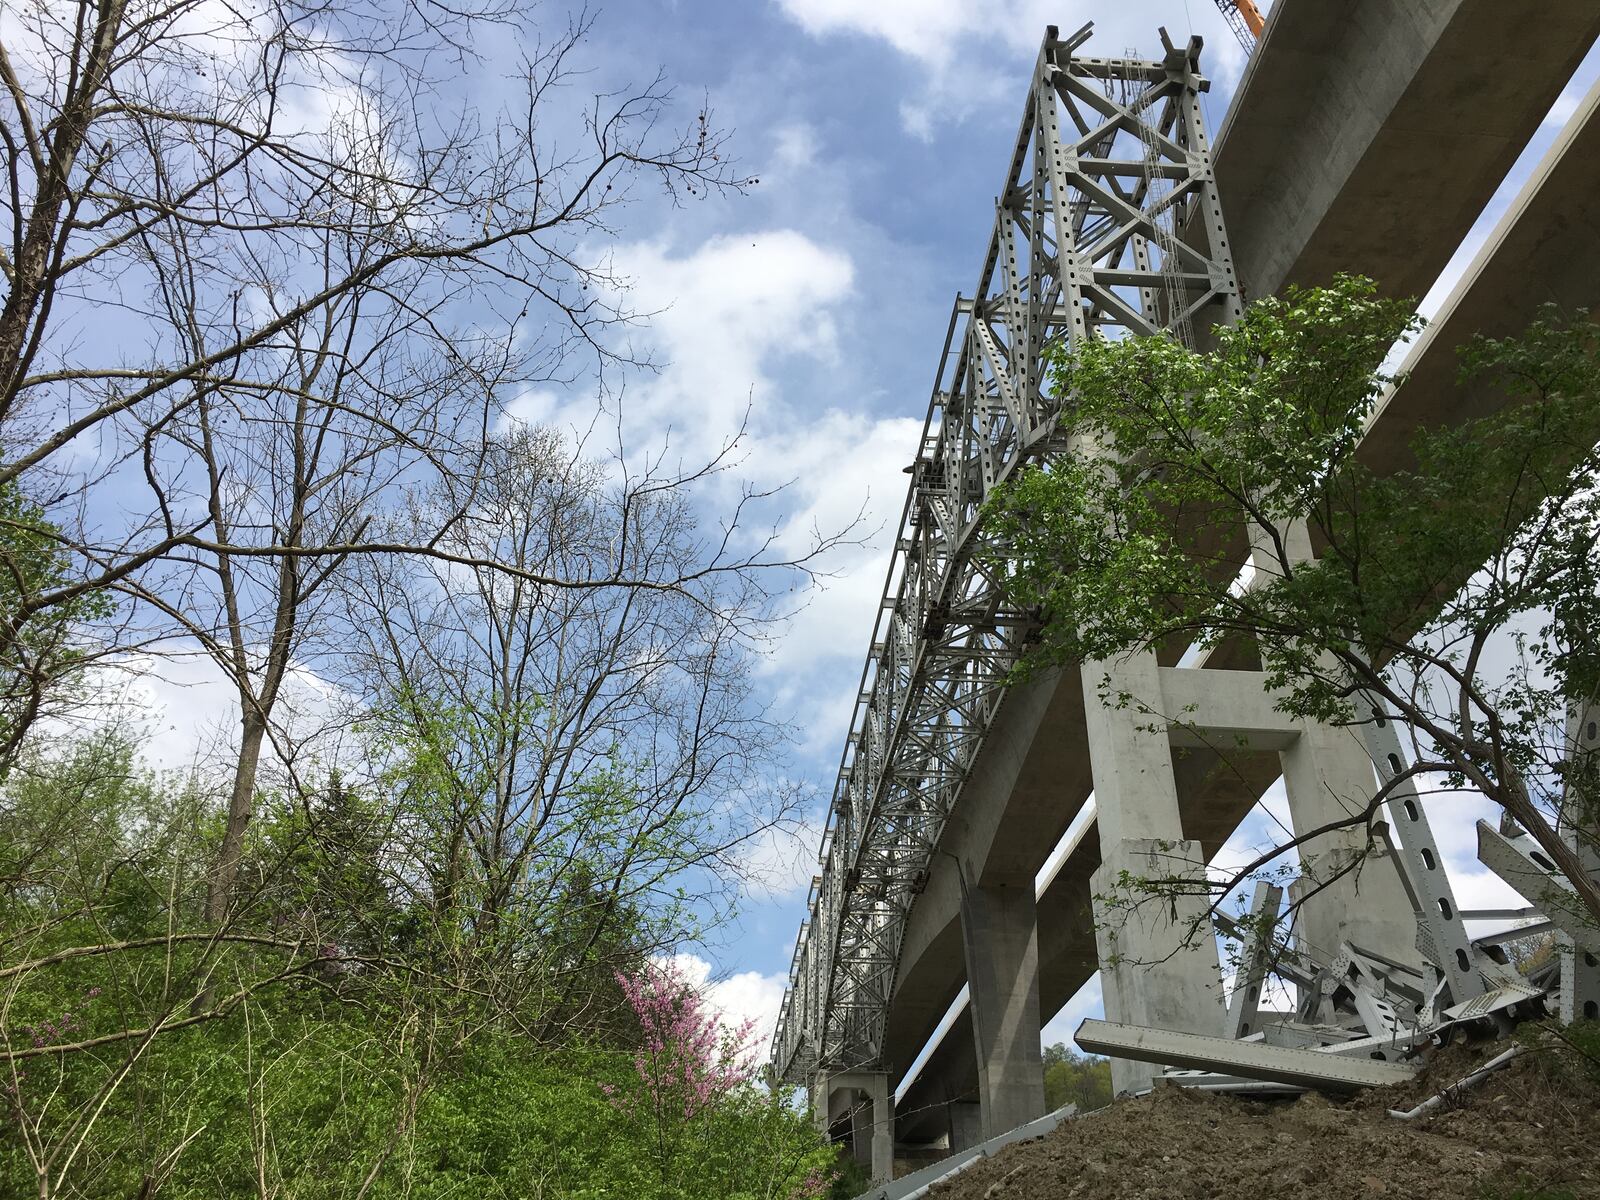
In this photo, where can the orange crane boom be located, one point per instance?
(1245, 19)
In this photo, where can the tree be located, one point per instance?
(43, 657)
(689, 1069)
(274, 274)
(1072, 1078)
(1196, 486)
(596, 743)
(267, 269)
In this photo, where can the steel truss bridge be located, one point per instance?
(1365, 135)
(1094, 236)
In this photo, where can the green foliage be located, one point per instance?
(41, 618)
(1072, 1078)
(316, 1100)
(374, 1050)
(1181, 468)
(1143, 545)
(1140, 544)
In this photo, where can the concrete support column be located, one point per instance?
(1148, 975)
(1000, 932)
(861, 1123)
(965, 1124)
(1329, 777)
(871, 1123)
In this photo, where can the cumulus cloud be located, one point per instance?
(724, 315)
(926, 30)
(185, 712)
(745, 996)
(779, 862)
(737, 319)
(970, 51)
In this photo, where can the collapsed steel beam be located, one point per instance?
(1256, 1060)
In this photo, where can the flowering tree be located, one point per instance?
(695, 1089)
(689, 1059)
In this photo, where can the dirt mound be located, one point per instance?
(1529, 1132)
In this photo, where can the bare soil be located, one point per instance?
(1529, 1132)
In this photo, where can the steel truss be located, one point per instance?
(1109, 224)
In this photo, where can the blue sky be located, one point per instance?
(879, 130)
(880, 135)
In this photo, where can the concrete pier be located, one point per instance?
(1158, 960)
(999, 928)
(865, 1099)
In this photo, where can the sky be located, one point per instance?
(879, 132)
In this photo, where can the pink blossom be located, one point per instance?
(815, 1185)
(688, 1059)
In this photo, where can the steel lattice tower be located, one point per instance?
(1108, 224)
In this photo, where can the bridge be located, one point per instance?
(1366, 135)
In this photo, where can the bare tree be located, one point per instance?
(592, 746)
(266, 270)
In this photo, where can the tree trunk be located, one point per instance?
(1514, 799)
(241, 808)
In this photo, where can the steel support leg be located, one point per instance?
(1255, 959)
(1580, 826)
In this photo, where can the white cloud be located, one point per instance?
(185, 713)
(846, 468)
(917, 120)
(732, 316)
(780, 861)
(746, 996)
(971, 51)
(925, 30)
(794, 149)
(722, 316)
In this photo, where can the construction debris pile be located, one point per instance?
(1527, 1132)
